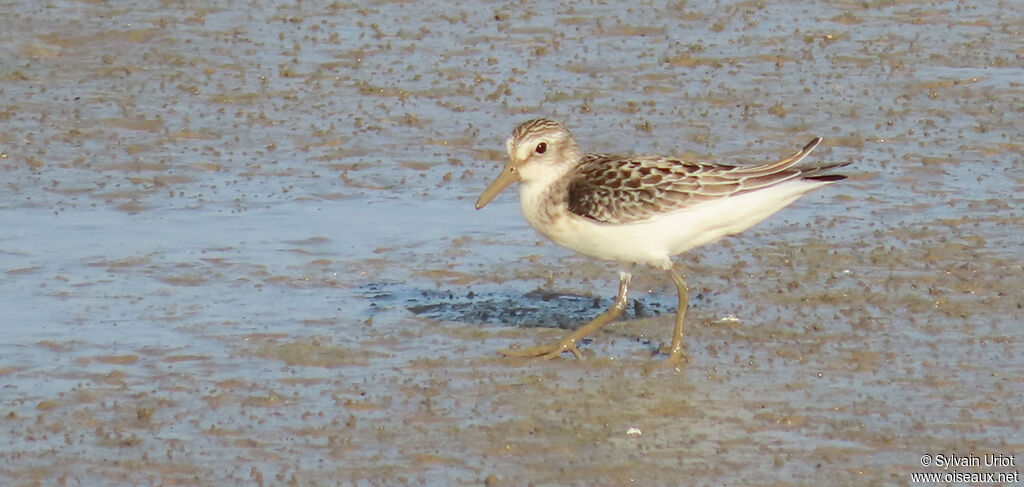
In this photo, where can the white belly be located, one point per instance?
(654, 241)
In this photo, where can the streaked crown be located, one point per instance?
(545, 141)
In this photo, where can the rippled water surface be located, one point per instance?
(238, 244)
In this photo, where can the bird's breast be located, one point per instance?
(544, 207)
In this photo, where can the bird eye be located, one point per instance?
(541, 147)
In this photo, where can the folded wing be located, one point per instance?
(631, 189)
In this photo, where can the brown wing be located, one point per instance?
(628, 189)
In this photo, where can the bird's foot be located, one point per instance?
(545, 352)
(676, 358)
(676, 361)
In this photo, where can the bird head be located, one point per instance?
(539, 150)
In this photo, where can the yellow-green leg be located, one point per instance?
(676, 356)
(568, 344)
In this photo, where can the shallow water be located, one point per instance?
(239, 246)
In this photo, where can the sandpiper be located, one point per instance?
(640, 209)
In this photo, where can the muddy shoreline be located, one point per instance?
(239, 245)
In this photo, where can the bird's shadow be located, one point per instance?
(537, 308)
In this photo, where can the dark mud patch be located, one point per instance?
(537, 308)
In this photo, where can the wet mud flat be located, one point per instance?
(239, 248)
